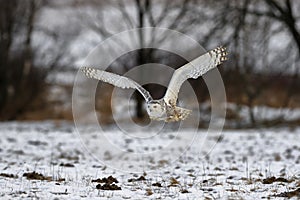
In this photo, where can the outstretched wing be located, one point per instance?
(116, 80)
(193, 69)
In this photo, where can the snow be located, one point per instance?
(227, 166)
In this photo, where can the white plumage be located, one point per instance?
(165, 108)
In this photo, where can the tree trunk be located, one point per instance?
(6, 35)
(140, 59)
(286, 16)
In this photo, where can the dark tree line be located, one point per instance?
(22, 77)
(264, 15)
(18, 77)
(246, 27)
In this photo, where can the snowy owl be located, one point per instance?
(165, 108)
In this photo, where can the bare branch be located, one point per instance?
(148, 9)
(163, 14)
(180, 15)
(130, 23)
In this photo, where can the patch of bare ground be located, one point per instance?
(273, 179)
(37, 176)
(289, 194)
(141, 178)
(8, 175)
(107, 183)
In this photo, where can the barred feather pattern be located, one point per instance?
(194, 69)
(116, 80)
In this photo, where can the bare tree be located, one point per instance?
(264, 66)
(284, 12)
(17, 19)
(22, 77)
(178, 15)
(247, 27)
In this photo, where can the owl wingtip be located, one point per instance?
(87, 71)
(223, 53)
(83, 69)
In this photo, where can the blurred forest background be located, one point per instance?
(43, 42)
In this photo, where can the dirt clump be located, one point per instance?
(66, 165)
(37, 176)
(108, 180)
(107, 186)
(141, 178)
(109, 183)
(290, 194)
(8, 175)
(273, 179)
(157, 184)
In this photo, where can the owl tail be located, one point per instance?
(182, 113)
(179, 114)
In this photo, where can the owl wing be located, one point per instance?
(116, 80)
(193, 69)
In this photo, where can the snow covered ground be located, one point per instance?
(54, 160)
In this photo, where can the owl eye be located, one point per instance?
(154, 106)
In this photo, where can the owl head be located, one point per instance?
(156, 109)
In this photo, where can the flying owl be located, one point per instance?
(165, 108)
